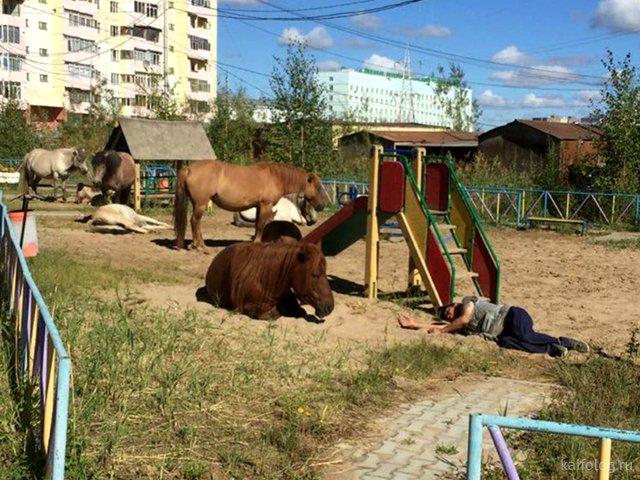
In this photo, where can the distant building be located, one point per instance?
(54, 52)
(525, 143)
(383, 97)
(460, 145)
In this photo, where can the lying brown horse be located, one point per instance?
(114, 172)
(236, 188)
(266, 280)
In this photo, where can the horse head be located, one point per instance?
(309, 214)
(78, 156)
(314, 193)
(102, 162)
(309, 279)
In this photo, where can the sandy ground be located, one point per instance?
(570, 285)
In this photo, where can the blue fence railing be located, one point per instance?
(41, 360)
(494, 423)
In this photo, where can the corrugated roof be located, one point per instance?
(162, 139)
(564, 131)
(442, 139)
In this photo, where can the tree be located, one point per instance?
(301, 133)
(232, 129)
(17, 137)
(92, 129)
(454, 96)
(618, 116)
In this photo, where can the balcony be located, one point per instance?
(202, 7)
(82, 6)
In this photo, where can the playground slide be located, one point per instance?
(342, 229)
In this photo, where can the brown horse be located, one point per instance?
(265, 280)
(114, 172)
(236, 188)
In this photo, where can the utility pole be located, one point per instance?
(165, 48)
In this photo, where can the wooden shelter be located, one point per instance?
(164, 141)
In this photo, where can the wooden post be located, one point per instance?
(613, 209)
(416, 166)
(373, 228)
(137, 197)
(566, 214)
(604, 466)
(498, 209)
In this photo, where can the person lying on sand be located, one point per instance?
(510, 327)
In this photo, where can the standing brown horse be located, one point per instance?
(236, 188)
(114, 172)
(266, 280)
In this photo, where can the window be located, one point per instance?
(125, 102)
(26, 22)
(44, 78)
(126, 55)
(42, 25)
(126, 78)
(140, 101)
(10, 62)
(197, 65)
(44, 52)
(171, 48)
(10, 90)
(147, 9)
(77, 19)
(152, 11)
(114, 55)
(201, 3)
(115, 78)
(198, 106)
(197, 43)
(75, 44)
(114, 30)
(146, 55)
(199, 85)
(171, 26)
(80, 70)
(113, 7)
(9, 34)
(77, 96)
(150, 34)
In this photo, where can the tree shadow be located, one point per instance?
(344, 286)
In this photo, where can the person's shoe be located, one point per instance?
(557, 350)
(577, 345)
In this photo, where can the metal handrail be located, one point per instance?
(10, 241)
(432, 220)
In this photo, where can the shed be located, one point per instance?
(460, 145)
(526, 143)
(161, 140)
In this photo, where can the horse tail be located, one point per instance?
(24, 181)
(180, 206)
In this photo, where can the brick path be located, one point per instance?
(428, 439)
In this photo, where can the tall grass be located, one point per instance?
(159, 394)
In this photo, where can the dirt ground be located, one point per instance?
(570, 285)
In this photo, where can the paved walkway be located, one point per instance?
(428, 439)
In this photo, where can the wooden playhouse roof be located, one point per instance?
(152, 140)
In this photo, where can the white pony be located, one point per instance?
(116, 218)
(290, 208)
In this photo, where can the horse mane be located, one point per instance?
(270, 264)
(109, 158)
(293, 178)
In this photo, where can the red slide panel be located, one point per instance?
(438, 268)
(437, 187)
(391, 198)
(484, 266)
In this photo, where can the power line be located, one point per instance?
(325, 7)
(543, 73)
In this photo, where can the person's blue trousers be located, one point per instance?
(519, 334)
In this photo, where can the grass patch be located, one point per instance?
(621, 244)
(163, 395)
(600, 392)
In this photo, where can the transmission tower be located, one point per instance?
(406, 110)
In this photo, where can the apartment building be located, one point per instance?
(375, 96)
(54, 53)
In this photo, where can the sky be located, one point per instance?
(522, 58)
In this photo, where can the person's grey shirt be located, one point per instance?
(487, 319)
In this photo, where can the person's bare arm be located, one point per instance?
(460, 322)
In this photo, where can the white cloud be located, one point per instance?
(588, 96)
(367, 21)
(317, 37)
(490, 99)
(379, 62)
(617, 15)
(533, 100)
(428, 31)
(328, 65)
(512, 56)
(540, 75)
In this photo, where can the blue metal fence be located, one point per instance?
(493, 422)
(42, 361)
